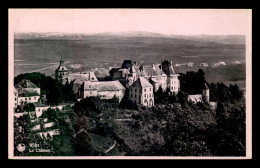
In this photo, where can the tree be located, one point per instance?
(182, 98)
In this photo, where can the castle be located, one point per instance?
(139, 81)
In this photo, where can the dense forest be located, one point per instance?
(173, 127)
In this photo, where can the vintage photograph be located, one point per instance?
(130, 84)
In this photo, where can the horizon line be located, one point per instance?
(125, 32)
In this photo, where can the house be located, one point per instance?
(103, 89)
(203, 98)
(27, 92)
(141, 92)
(79, 78)
(40, 108)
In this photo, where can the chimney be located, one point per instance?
(171, 62)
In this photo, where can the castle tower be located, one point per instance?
(61, 72)
(205, 93)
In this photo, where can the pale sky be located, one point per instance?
(165, 21)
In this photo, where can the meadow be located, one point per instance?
(43, 55)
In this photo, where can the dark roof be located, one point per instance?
(26, 84)
(127, 64)
(168, 68)
(28, 92)
(61, 66)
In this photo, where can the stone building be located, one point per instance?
(61, 73)
(173, 83)
(141, 92)
(154, 74)
(79, 78)
(102, 89)
(203, 98)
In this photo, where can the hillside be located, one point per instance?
(34, 51)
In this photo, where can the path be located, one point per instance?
(44, 68)
(111, 147)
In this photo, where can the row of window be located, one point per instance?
(139, 90)
(148, 95)
(29, 98)
(174, 82)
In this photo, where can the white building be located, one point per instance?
(27, 92)
(103, 89)
(141, 92)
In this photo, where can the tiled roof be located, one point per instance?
(80, 78)
(150, 70)
(38, 104)
(28, 92)
(141, 82)
(26, 84)
(104, 86)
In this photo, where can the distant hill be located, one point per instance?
(230, 39)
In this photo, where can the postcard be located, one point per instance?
(130, 84)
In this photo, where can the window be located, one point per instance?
(39, 110)
(29, 98)
(15, 99)
(174, 88)
(90, 92)
(25, 99)
(15, 104)
(150, 89)
(135, 95)
(139, 96)
(131, 95)
(34, 98)
(144, 95)
(135, 90)
(144, 90)
(150, 95)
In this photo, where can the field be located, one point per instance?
(104, 51)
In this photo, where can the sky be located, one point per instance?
(164, 21)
